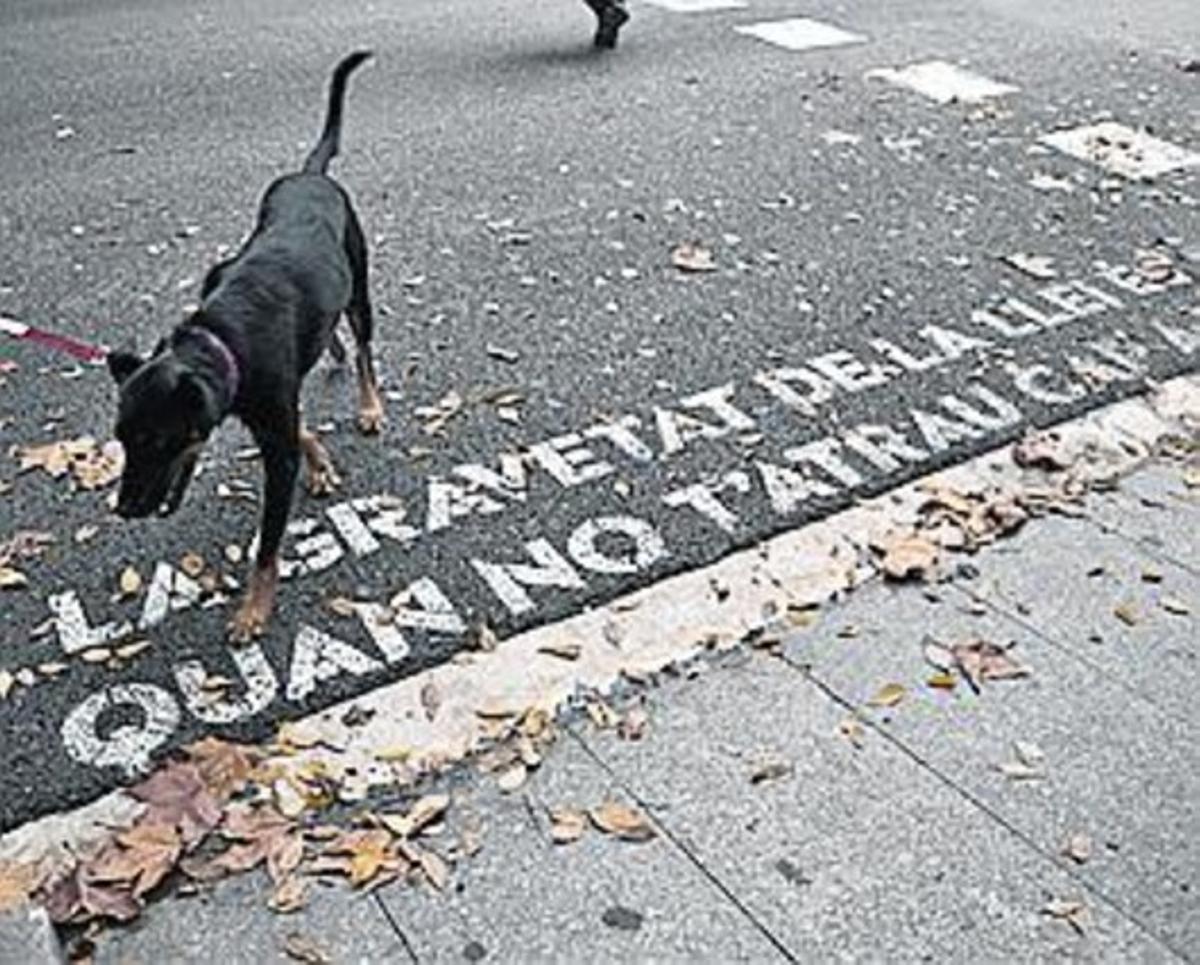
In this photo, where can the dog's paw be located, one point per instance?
(248, 623)
(322, 480)
(370, 418)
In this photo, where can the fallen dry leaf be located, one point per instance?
(370, 852)
(981, 660)
(1042, 450)
(1175, 606)
(192, 564)
(601, 714)
(512, 778)
(262, 835)
(224, 767)
(436, 870)
(431, 700)
(139, 858)
(129, 582)
(693, 257)
(72, 897)
(93, 466)
(942, 681)
(1074, 913)
(633, 725)
(176, 794)
(888, 696)
(1078, 848)
(18, 881)
(1127, 613)
(853, 731)
(290, 896)
(564, 651)
(770, 767)
(567, 824)
(908, 556)
(304, 949)
(624, 821)
(423, 813)
(12, 579)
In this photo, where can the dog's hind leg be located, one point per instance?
(370, 403)
(337, 349)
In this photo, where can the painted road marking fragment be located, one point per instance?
(654, 627)
(1122, 150)
(698, 6)
(800, 33)
(943, 82)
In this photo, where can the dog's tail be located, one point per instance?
(327, 147)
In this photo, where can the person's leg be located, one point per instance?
(610, 17)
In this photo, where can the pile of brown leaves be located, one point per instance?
(950, 519)
(214, 812)
(90, 464)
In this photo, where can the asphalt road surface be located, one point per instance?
(571, 412)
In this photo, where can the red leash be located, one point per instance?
(61, 343)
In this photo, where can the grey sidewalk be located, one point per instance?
(911, 846)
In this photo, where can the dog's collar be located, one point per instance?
(231, 373)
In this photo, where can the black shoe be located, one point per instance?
(611, 18)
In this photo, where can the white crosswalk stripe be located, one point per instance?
(698, 6)
(1121, 150)
(800, 33)
(943, 82)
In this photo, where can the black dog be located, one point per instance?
(265, 317)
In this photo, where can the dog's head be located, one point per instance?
(164, 416)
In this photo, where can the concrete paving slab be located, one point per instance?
(233, 925)
(854, 854)
(1156, 507)
(1129, 613)
(27, 937)
(1115, 767)
(524, 899)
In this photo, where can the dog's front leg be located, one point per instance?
(281, 462)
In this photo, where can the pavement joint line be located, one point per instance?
(694, 859)
(1047, 637)
(1148, 546)
(982, 806)
(656, 626)
(395, 926)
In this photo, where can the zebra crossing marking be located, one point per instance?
(943, 82)
(800, 33)
(1122, 150)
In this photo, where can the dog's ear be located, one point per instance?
(122, 365)
(197, 399)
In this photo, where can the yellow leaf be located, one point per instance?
(129, 582)
(888, 696)
(942, 681)
(397, 754)
(11, 579)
